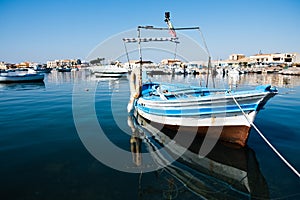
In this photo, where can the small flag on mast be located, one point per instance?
(171, 28)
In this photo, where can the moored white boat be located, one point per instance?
(12, 77)
(64, 69)
(108, 71)
(42, 69)
(234, 72)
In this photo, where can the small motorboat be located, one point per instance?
(15, 76)
(106, 71)
(42, 68)
(64, 69)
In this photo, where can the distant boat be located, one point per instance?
(106, 71)
(227, 114)
(234, 72)
(291, 71)
(179, 70)
(64, 69)
(13, 77)
(74, 69)
(42, 68)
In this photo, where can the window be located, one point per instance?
(288, 60)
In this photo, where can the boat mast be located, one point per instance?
(208, 66)
(140, 75)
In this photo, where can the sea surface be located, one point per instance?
(43, 154)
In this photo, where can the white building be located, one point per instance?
(58, 63)
(236, 60)
(236, 56)
(2, 65)
(276, 58)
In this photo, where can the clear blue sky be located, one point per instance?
(41, 30)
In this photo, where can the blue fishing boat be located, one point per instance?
(222, 113)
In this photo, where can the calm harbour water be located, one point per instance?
(42, 156)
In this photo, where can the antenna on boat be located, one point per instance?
(173, 33)
(170, 26)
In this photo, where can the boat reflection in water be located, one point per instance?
(22, 86)
(227, 172)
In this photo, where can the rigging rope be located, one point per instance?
(265, 139)
(127, 55)
(175, 52)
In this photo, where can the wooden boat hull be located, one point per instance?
(237, 134)
(233, 134)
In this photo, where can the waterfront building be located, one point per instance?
(260, 60)
(236, 56)
(64, 62)
(170, 62)
(2, 65)
(234, 60)
(276, 59)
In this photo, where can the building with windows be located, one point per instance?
(59, 63)
(271, 59)
(236, 56)
(276, 59)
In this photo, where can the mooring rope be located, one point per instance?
(264, 138)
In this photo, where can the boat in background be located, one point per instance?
(42, 69)
(234, 72)
(64, 69)
(107, 71)
(75, 69)
(221, 113)
(23, 75)
(291, 71)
